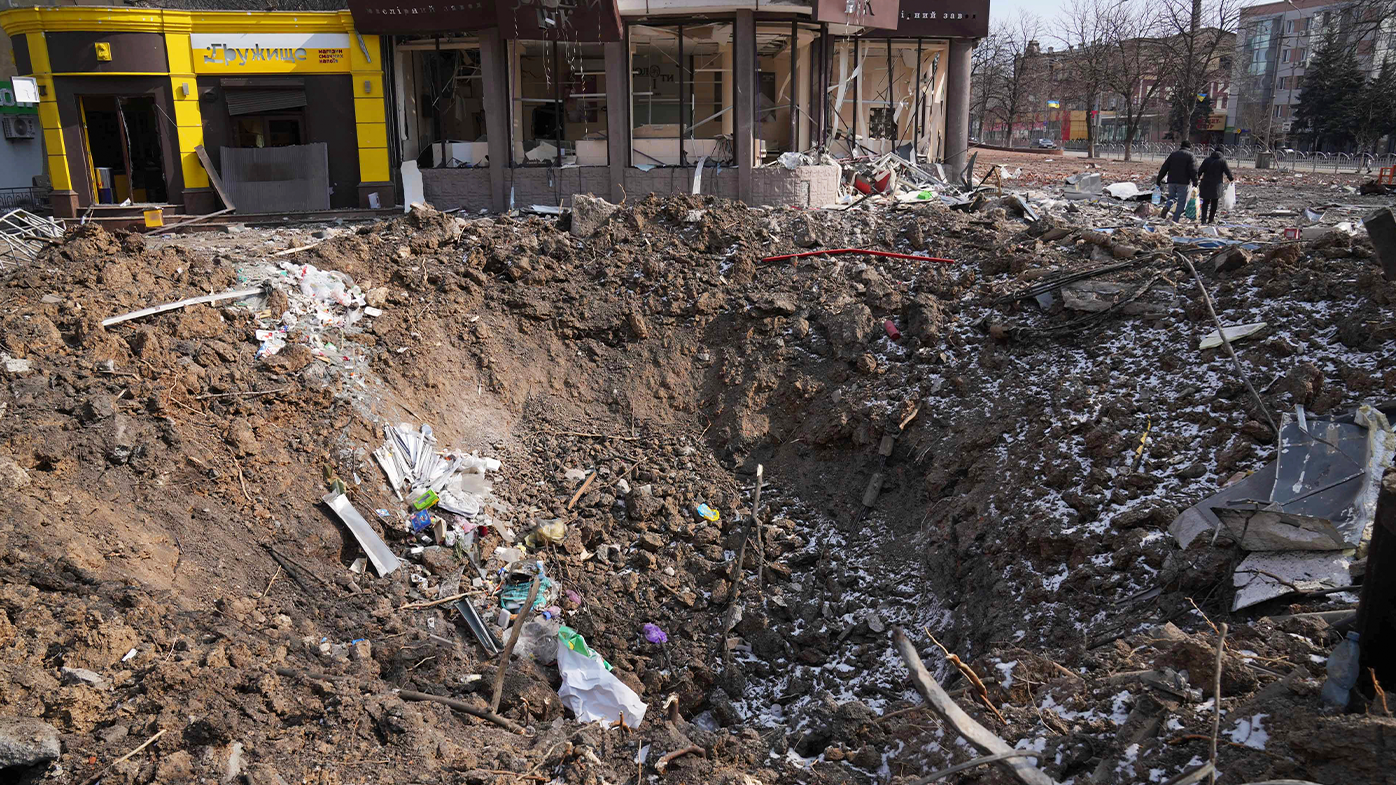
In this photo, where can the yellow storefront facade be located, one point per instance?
(289, 107)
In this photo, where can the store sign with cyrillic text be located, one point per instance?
(270, 53)
(939, 19)
(10, 104)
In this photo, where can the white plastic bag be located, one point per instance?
(593, 694)
(1228, 200)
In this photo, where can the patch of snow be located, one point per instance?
(1250, 732)
(1006, 669)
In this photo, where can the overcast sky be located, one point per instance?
(1046, 10)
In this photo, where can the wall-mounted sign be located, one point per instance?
(10, 102)
(872, 14)
(270, 53)
(402, 17)
(939, 19)
(587, 21)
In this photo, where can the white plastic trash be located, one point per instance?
(1228, 200)
(593, 693)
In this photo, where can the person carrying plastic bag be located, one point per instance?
(1211, 173)
(1181, 172)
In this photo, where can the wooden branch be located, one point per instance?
(679, 753)
(945, 707)
(524, 612)
(1196, 775)
(127, 756)
(1221, 330)
(969, 764)
(585, 484)
(464, 708)
(1216, 699)
(980, 691)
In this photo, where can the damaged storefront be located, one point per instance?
(288, 108)
(500, 106)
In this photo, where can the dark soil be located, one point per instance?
(147, 468)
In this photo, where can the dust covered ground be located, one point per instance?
(169, 572)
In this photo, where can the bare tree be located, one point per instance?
(1019, 70)
(1139, 67)
(984, 74)
(1083, 30)
(1195, 35)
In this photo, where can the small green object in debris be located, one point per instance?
(574, 641)
(924, 195)
(426, 498)
(708, 513)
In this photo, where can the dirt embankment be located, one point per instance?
(161, 480)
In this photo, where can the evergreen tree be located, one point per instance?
(1382, 94)
(1333, 88)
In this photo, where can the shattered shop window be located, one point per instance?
(681, 94)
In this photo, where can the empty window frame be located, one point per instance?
(559, 97)
(681, 93)
(443, 102)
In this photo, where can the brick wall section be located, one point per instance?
(447, 189)
(806, 186)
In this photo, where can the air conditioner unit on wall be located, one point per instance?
(18, 126)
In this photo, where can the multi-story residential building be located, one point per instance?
(1274, 47)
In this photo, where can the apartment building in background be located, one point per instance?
(1275, 44)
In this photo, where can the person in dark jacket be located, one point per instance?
(1209, 190)
(1181, 171)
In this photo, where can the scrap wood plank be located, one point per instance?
(945, 707)
(213, 176)
(191, 221)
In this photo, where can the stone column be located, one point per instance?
(617, 115)
(494, 69)
(744, 79)
(957, 69)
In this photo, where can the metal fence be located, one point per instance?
(33, 199)
(1245, 155)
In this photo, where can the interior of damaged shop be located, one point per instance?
(589, 107)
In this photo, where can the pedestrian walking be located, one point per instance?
(1181, 172)
(1209, 190)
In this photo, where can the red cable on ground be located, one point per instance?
(833, 251)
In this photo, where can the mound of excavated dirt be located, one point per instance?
(161, 480)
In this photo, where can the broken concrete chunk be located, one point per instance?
(12, 475)
(1232, 257)
(589, 213)
(1093, 296)
(26, 742)
(83, 676)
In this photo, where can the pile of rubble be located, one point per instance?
(672, 480)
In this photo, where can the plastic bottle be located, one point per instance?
(1342, 674)
(1157, 196)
